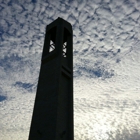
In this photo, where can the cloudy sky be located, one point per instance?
(106, 48)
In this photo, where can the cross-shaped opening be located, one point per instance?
(52, 46)
(65, 49)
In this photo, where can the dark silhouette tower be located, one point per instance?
(53, 110)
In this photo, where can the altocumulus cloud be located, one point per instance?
(106, 65)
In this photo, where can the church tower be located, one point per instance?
(53, 110)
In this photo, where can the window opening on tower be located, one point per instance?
(52, 34)
(65, 42)
(65, 49)
(52, 46)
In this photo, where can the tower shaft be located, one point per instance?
(53, 110)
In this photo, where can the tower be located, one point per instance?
(53, 110)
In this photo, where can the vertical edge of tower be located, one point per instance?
(65, 114)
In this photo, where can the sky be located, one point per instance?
(106, 51)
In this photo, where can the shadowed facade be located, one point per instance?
(53, 110)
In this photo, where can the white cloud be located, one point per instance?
(81, 4)
(83, 16)
(72, 19)
(135, 15)
(104, 12)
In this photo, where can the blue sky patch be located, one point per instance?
(2, 98)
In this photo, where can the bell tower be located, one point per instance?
(53, 109)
